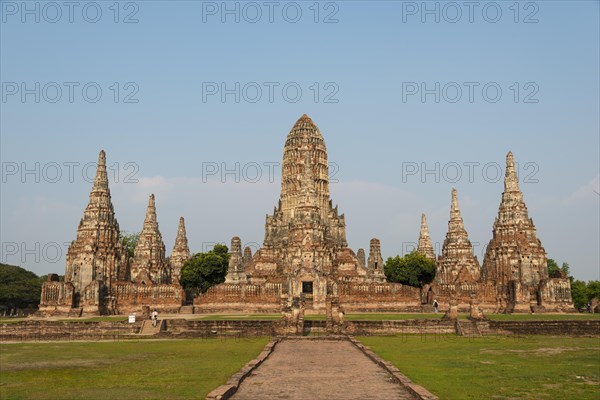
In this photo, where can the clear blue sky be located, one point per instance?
(370, 61)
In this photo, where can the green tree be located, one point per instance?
(565, 269)
(130, 240)
(593, 290)
(553, 269)
(579, 293)
(413, 269)
(204, 270)
(19, 288)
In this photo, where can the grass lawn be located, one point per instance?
(7, 320)
(165, 369)
(546, 317)
(498, 367)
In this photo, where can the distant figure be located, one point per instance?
(435, 306)
(588, 307)
(154, 317)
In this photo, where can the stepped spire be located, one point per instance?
(247, 257)
(455, 216)
(150, 223)
(101, 179)
(514, 253)
(425, 247)
(375, 261)
(457, 263)
(181, 242)
(181, 251)
(305, 213)
(235, 271)
(100, 194)
(149, 264)
(96, 254)
(360, 255)
(511, 182)
(305, 177)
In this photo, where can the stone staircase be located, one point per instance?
(314, 328)
(148, 330)
(186, 310)
(467, 329)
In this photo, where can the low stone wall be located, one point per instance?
(216, 307)
(181, 328)
(40, 330)
(68, 330)
(380, 306)
(409, 326)
(557, 328)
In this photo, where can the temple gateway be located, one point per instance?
(305, 259)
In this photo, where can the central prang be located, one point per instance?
(305, 239)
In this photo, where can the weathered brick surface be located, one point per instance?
(181, 328)
(414, 326)
(71, 330)
(100, 278)
(558, 328)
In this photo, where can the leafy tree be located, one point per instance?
(593, 290)
(204, 270)
(44, 278)
(413, 269)
(19, 288)
(553, 269)
(579, 293)
(565, 269)
(130, 240)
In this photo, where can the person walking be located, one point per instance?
(435, 306)
(154, 317)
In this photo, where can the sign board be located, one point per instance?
(132, 319)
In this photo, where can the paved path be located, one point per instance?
(319, 369)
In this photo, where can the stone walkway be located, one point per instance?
(319, 369)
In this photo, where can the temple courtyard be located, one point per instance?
(447, 365)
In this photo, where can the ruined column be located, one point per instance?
(375, 261)
(235, 271)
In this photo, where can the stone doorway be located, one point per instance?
(76, 300)
(307, 287)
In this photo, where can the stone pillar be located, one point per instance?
(375, 261)
(474, 311)
(452, 313)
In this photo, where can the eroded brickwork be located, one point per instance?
(515, 260)
(457, 264)
(305, 262)
(99, 276)
(425, 247)
(180, 253)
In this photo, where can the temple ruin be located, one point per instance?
(305, 262)
(100, 278)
